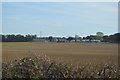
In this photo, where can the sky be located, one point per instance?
(60, 0)
(61, 19)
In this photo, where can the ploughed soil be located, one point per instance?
(74, 53)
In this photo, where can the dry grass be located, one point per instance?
(74, 53)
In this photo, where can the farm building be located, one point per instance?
(87, 40)
(61, 40)
(95, 40)
(39, 40)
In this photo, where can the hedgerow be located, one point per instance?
(43, 67)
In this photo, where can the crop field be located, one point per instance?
(73, 53)
(59, 60)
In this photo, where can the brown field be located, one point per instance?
(75, 53)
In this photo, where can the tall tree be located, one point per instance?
(50, 38)
(70, 38)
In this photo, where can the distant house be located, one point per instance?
(72, 41)
(76, 40)
(95, 40)
(39, 40)
(85, 40)
(61, 40)
(54, 40)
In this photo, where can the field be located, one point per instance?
(63, 60)
(73, 53)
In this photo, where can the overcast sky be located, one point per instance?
(60, 18)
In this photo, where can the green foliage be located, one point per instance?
(70, 38)
(112, 38)
(17, 38)
(50, 38)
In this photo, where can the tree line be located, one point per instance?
(18, 38)
(115, 38)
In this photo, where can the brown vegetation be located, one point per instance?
(74, 53)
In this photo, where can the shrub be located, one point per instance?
(43, 67)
